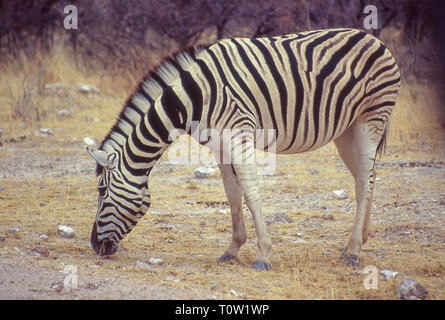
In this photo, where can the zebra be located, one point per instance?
(311, 88)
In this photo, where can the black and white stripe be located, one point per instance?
(312, 88)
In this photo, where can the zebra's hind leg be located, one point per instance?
(357, 147)
(234, 195)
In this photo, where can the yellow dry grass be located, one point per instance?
(190, 236)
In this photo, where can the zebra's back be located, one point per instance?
(309, 87)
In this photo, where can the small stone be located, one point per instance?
(43, 237)
(340, 194)
(314, 171)
(1, 132)
(91, 286)
(327, 216)
(326, 252)
(65, 232)
(58, 286)
(278, 218)
(410, 289)
(299, 234)
(140, 265)
(224, 211)
(43, 203)
(91, 119)
(2, 237)
(389, 274)
(204, 172)
(64, 113)
(87, 89)
(41, 251)
(14, 230)
(156, 261)
(53, 87)
(89, 141)
(46, 132)
(2, 189)
(233, 292)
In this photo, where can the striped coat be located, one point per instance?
(310, 88)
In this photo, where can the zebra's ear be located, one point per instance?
(106, 160)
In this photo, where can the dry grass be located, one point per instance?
(191, 234)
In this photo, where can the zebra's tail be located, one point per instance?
(382, 144)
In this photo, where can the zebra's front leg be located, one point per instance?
(248, 179)
(234, 195)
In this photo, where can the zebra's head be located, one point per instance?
(120, 204)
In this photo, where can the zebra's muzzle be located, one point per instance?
(102, 247)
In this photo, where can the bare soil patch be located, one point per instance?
(46, 182)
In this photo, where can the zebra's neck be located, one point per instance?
(167, 100)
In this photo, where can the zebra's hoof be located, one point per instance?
(351, 260)
(225, 257)
(261, 265)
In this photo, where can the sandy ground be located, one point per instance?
(23, 278)
(46, 181)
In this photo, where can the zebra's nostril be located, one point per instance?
(108, 247)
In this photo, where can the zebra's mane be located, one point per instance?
(150, 88)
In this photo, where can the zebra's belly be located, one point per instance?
(285, 143)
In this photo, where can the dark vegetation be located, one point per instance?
(124, 30)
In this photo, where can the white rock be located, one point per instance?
(86, 88)
(91, 119)
(46, 131)
(389, 274)
(156, 261)
(14, 230)
(89, 141)
(340, 194)
(43, 237)
(410, 289)
(54, 87)
(65, 232)
(204, 172)
(234, 293)
(64, 113)
(327, 216)
(224, 211)
(140, 265)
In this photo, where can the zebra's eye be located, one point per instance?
(102, 191)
